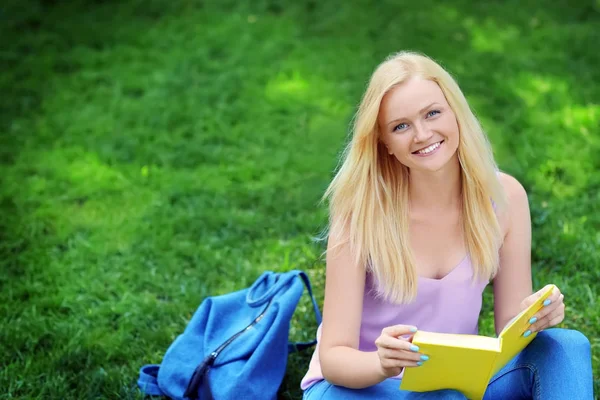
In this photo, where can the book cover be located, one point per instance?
(467, 362)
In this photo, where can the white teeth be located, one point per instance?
(429, 149)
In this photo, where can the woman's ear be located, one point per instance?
(388, 149)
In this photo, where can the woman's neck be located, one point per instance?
(435, 191)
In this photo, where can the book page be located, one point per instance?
(458, 340)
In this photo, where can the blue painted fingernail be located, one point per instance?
(413, 329)
(424, 357)
(547, 302)
(414, 348)
(420, 363)
(532, 320)
(527, 333)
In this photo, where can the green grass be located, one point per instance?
(153, 153)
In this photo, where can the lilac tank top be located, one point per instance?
(449, 305)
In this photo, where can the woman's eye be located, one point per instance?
(400, 127)
(432, 113)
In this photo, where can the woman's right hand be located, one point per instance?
(395, 351)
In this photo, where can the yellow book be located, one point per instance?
(467, 362)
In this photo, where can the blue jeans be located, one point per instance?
(557, 364)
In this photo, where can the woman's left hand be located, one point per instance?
(553, 312)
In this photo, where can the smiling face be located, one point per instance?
(418, 126)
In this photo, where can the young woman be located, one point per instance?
(421, 221)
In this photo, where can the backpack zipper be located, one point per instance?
(202, 369)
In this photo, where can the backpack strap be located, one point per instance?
(299, 346)
(148, 382)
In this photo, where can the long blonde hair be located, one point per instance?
(368, 197)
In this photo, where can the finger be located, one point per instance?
(529, 300)
(390, 367)
(393, 363)
(554, 296)
(388, 342)
(544, 322)
(548, 320)
(407, 356)
(399, 330)
(392, 348)
(548, 309)
(398, 344)
(557, 320)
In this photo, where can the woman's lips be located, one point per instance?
(432, 152)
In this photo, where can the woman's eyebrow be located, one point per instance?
(420, 111)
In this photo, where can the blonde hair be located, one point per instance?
(368, 197)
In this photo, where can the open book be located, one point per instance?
(467, 362)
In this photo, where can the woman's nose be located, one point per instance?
(423, 133)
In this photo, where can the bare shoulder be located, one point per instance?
(517, 201)
(515, 192)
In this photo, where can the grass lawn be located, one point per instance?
(156, 152)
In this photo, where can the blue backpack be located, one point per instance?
(235, 346)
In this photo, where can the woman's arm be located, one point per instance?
(513, 284)
(341, 362)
